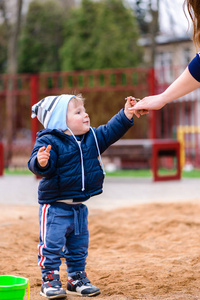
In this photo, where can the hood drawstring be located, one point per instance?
(97, 145)
(81, 153)
(82, 166)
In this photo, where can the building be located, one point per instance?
(181, 118)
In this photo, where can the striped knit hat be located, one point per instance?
(52, 111)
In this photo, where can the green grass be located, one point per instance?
(130, 173)
(145, 173)
(17, 172)
(191, 174)
(148, 173)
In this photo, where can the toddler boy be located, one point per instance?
(67, 154)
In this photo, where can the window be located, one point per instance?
(163, 67)
(186, 57)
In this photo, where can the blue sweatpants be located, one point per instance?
(63, 234)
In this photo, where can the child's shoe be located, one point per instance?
(51, 286)
(79, 284)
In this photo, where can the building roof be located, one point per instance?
(165, 39)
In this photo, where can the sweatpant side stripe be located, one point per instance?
(43, 233)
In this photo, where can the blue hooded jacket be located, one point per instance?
(65, 177)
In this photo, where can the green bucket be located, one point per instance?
(13, 287)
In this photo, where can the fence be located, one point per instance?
(105, 91)
(180, 116)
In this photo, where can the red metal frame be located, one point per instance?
(165, 147)
(123, 79)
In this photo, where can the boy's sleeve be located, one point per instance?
(112, 131)
(194, 67)
(33, 164)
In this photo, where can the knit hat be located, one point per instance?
(52, 111)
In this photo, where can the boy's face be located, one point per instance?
(78, 120)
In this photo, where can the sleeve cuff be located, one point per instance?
(194, 67)
(42, 168)
(130, 121)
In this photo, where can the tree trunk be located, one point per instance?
(13, 34)
(153, 31)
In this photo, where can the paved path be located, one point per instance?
(118, 192)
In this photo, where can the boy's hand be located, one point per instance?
(132, 110)
(43, 155)
(130, 103)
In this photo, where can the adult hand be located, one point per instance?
(132, 109)
(150, 103)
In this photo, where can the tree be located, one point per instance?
(153, 29)
(42, 36)
(142, 14)
(3, 48)
(147, 13)
(11, 20)
(101, 34)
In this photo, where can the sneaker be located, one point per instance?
(51, 286)
(80, 285)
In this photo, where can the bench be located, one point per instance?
(146, 153)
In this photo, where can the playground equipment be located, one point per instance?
(147, 150)
(181, 132)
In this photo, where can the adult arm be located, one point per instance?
(187, 82)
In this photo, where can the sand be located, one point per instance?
(147, 251)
